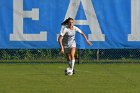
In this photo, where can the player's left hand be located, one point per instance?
(89, 43)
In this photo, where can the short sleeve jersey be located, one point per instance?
(69, 36)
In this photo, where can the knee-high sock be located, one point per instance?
(72, 64)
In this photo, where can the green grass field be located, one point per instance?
(50, 78)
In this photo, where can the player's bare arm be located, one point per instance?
(60, 43)
(88, 42)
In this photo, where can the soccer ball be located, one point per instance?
(68, 71)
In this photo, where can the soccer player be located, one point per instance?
(67, 40)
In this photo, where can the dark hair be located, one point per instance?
(66, 21)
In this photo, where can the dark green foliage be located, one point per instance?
(82, 54)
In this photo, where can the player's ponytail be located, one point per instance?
(66, 21)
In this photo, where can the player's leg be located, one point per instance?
(72, 57)
(68, 54)
(69, 59)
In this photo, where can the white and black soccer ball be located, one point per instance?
(68, 71)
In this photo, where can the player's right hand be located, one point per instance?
(62, 51)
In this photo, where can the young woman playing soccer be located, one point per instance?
(67, 40)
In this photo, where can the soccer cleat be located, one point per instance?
(73, 71)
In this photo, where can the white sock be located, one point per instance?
(72, 64)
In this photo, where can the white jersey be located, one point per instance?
(69, 36)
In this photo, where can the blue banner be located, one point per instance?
(35, 24)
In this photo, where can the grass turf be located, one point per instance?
(50, 78)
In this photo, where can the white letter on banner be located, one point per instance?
(18, 16)
(96, 34)
(135, 21)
